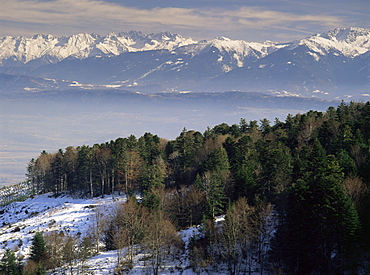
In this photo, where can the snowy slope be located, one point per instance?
(238, 49)
(15, 192)
(349, 42)
(333, 65)
(20, 220)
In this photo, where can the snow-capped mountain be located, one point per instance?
(349, 42)
(332, 65)
(52, 49)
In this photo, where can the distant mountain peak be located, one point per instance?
(327, 62)
(346, 34)
(349, 42)
(223, 38)
(84, 45)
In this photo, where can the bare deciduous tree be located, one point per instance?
(54, 241)
(238, 235)
(160, 240)
(85, 250)
(98, 225)
(356, 189)
(128, 229)
(265, 222)
(69, 252)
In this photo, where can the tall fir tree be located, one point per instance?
(320, 225)
(8, 263)
(38, 248)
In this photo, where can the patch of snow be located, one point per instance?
(315, 56)
(112, 86)
(75, 84)
(226, 68)
(45, 213)
(30, 89)
(285, 93)
(321, 92)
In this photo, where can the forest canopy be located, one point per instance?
(313, 169)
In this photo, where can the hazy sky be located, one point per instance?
(256, 20)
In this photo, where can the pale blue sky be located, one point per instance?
(255, 20)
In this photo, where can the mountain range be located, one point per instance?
(332, 65)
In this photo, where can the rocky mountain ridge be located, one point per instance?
(333, 65)
(350, 42)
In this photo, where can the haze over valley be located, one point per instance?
(90, 88)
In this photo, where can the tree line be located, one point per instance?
(311, 172)
(56, 251)
(16, 192)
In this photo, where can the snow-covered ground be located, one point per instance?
(20, 220)
(15, 192)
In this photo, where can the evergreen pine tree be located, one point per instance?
(8, 264)
(214, 181)
(276, 163)
(38, 248)
(40, 270)
(243, 164)
(319, 229)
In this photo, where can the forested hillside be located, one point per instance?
(309, 176)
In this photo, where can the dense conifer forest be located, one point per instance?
(295, 194)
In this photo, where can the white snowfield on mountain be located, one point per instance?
(349, 42)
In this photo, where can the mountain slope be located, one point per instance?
(50, 49)
(332, 65)
(44, 213)
(349, 42)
